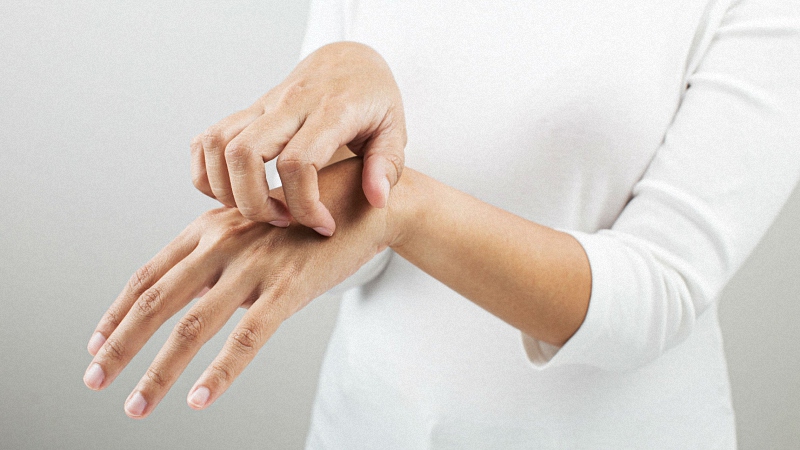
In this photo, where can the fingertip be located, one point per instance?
(280, 212)
(135, 406)
(198, 398)
(384, 193)
(96, 343)
(94, 377)
(324, 231)
(327, 225)
(379, 175)
(377, 191)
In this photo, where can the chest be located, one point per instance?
(529, 104)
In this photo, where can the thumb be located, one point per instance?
(383, 164)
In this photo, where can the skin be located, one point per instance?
(272, 271)
(535, 278)
(302, 122)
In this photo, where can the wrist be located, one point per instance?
(404, 210)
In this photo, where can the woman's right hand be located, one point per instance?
(342, 94)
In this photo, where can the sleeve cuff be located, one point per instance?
(593, 343)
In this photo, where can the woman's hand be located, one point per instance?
(273, 271)
(342, 94)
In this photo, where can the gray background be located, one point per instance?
(98, 102)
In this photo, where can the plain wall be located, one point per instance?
(98, 102)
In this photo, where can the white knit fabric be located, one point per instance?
(663, 135)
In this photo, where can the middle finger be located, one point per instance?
(214, 141)
(245, 156)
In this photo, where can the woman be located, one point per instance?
(582, 181)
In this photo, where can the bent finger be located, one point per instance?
(214, 141)
(203, 320)
(305, 154)
(246, 154)
(145, 277)
(199, 175)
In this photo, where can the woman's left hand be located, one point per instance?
(273, 271)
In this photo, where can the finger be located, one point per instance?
(156, 304)
(383, 165)
(199, 175)
(256, 327)
(142, 279)
(214, 141)
(203, 320)
(245, 155)
(308, 151)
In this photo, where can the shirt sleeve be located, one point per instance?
(728, 163)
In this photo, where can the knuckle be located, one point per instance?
(396, 161)
(150, 302)
(222, 373)
(253, 212)
(113, 317)
(200, 180)
(293, 93)
(114, 350)
(303, 210)
(334, 107)
(340, 113)
(189, 328)
(155, 377)
(278, 310)
(234, 231)
(141, 278)
(237, 151)
(288, 165)
(245, 340)
(212, 137)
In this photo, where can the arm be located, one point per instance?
(533, 277)
(726, 167)
(727, 164)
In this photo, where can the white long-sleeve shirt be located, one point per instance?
(664, 135)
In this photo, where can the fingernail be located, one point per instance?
(199, 397)
(136, 405)
(95, 343)
(323, 231)
(94, 376)
(385, 190)
(280, 223)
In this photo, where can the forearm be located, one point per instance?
(533, 277)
